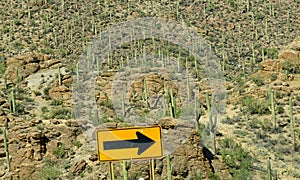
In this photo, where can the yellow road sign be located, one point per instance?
(129, 143)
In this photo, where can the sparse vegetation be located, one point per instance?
(61, 113)
(50, 170)
(60, 151)
(254, 105)
(236, 158)
(291, 66)
(242, 34)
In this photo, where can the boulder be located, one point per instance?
(78, 167)
(27, 64)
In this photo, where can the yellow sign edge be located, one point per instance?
(126, 128)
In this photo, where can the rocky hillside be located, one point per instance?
(258, 46)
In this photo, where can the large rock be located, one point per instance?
(60, 92)
(27, 64)
(78, 167)
(291, 51)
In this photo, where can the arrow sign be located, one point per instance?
(129, 143)
(142, 143)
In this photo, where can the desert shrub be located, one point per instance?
(280, 110)
(61, 113)
(49, 173)
(44, 109)
(49, 170)
(213, 176)
(37, 93)
(20, 109)
(272, 53)
(232, 120)
(60, 151)
(46, 93)
(255, 105)
(56, 102)
(77, 143)
(236, 158)
(291, 66)
(273, 77)
(258, 80)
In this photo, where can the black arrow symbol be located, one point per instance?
(142, 143)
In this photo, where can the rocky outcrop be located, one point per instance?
(291, 51)
(60, 92)
(22, 66)
(288, 62)
(78, 167)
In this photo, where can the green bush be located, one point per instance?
(49, 170)
(61, 113)
(78, 144)
(49, 173)
(56, 102)
(291, 66)
(255, 105)
(60, 151)
(258, 80)
(236, 158)
(273, 77)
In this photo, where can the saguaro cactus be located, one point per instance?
(269, 169)
(145, 93)
(273, 106)
(212, 122)
(5, 81)
(169, 168)
(171, 103)
(126, 166)
(59, 76)
(6, 146)
(292, 123)
(12, 102)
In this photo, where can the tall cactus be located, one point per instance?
(269, 169)
(123, 105)
(145, 93)
(59, 77)
(12, 102)
(213, 129)
(17, 75)
(171, 103)
(212, 122)
(169, 168)
(5, 81)
(207, 103)
(126, 166)
(292, 123)
(198, 175)
(273, 106)
(6, 146)
(198, 112)
(77, 73)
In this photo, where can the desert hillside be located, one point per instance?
(221, 78)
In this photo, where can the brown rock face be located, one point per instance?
(271, 65)
(291, 51)
(288, 56)
(24, 65)
(155, 83)
(78, 167)
(167, 123)
(60, 92)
